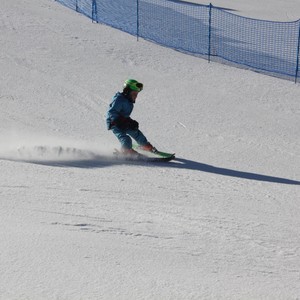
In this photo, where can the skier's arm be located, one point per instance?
(115, 110)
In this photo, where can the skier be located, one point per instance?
(118, 119)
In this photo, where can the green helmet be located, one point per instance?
(133, 85)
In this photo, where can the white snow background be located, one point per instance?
(220, 222)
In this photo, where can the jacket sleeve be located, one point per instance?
(115, 110)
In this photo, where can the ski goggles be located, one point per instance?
(139, 86)
(134, 85)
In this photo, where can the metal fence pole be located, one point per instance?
(94, 12)
(209, 32)
(298, 53)
(137, 20)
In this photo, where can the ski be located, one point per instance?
(158, 154)
(164, 157)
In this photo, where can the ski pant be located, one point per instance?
(124, 137)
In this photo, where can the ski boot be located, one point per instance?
(130, 153)
(149, 148)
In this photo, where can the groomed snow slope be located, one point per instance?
(220, 222)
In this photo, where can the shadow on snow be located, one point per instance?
(178, 163)
(193, 165)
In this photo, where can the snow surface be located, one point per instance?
(220, 222)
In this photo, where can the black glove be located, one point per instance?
(126, 123)
(133, 125)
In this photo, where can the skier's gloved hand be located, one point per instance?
(126, 123)
(122, 123)
(132, 124)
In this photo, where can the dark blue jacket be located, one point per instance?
(120, 108)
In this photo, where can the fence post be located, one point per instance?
(298, 53)
(94, 12)
(209, 32)
(137, 20)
